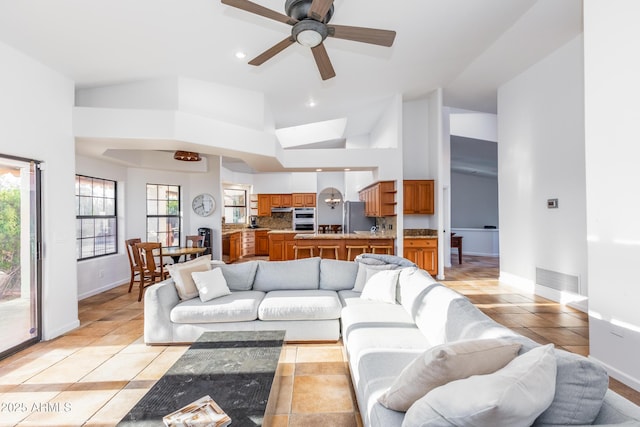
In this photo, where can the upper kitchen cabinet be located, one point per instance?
(379, 199)
(304, 200)
(264, 204)
(281, 200)
(418, 196)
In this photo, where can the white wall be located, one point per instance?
(97, 275)
(474, 200)
(541, 156)
(613, 207)
(35, 107)
(191, 185)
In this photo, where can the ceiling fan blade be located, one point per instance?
(272, 51)
(251, 7)
(323, 62)
(319, 9)
(362, 34)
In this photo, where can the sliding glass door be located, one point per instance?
(19, 254)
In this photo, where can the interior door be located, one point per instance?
(20, 270)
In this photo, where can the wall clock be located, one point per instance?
(203, 204)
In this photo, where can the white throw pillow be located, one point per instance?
(181, 275)
(381, 286)
(211, 284)
(445, 363)
(512, 396)
(365, 272)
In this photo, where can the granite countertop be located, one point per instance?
(344, 236)
(229, 232)
(289, 231)
(420, 237)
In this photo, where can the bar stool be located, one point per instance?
(363, 250)
(302, 248)
(387, 249)
(329, 248)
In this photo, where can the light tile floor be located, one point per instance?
(92, 376)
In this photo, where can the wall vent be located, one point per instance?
(558, 281)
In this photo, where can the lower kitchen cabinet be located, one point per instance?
(262, 243)
(423, 252)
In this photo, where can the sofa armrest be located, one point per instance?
(159, 299)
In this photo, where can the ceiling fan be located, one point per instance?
(309, 19)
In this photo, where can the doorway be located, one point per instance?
(20, 267)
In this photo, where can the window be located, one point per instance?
(96, 222)
(163, 214)
(235, 206)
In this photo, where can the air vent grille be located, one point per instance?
(558, 281)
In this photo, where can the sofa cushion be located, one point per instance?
(365, 271)
(211, 284)
(181, 275)
(337, 275)
(289, 275)
(240, 276)
(445, 363)
(241, 306)
(300, 305)
(512, 396)
(381, 287)
(580, 389)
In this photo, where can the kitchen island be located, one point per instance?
(283, 245)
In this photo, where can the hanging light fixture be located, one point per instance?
(332, 201)
(187, 156)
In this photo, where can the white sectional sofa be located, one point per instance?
(315, 299)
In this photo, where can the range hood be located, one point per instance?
(281, 209)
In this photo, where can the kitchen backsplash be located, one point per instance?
(277, 221)
(420, 232)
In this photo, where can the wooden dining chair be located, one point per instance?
(150, 271)
(133, 266)
(196, 242)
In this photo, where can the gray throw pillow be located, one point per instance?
(240, 276)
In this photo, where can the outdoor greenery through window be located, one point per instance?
(163, 214)
(96, 222)
(235, 206)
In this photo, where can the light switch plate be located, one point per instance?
(552, 203)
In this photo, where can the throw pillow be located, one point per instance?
(512, 396)
(381, 286)
(211, 284)
(181, 275)
(445, 363)
(240, 276)
(365, 271)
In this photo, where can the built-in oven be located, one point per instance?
(304, 219)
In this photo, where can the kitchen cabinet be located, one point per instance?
(262, 242)
(281, 246)
(379, 199)
(423, 252)
(303, 200)
(281, 200)
(232, 247)
(264, 204)
(248, 243)
(418, 196)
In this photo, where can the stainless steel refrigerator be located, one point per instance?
(354, 218)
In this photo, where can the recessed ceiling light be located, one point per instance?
(311, 103)
(347, 169)
(241, 55)
(318, 170)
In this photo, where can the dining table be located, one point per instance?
(176, 252)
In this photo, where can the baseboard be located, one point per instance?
(454, 254)
(518, 282)
(49, 335)
(579, 302)
(102, 289)
(630, 381)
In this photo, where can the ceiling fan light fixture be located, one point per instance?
(186, 156)
(309, 33)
